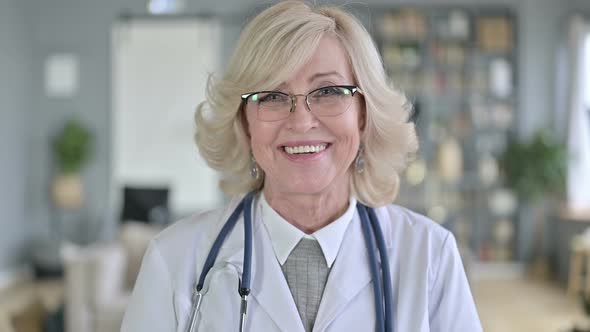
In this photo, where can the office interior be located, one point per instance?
(97, 153)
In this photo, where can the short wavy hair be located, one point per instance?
(270, 50)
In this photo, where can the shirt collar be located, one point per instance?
(284, 236)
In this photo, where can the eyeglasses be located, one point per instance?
(275, 105)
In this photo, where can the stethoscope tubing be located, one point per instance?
(225, 230)
(382, 287)
(387, 286)
(244, 286)
(247, 268)
(377, 284)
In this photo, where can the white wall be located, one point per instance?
(15, 79)
(160, 71)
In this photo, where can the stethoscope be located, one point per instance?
(370, 224)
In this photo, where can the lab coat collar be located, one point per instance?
(285, 236)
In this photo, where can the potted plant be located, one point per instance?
(535, 170)
(71, 150)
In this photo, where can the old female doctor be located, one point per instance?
(304, 120)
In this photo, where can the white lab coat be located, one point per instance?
(430, 289)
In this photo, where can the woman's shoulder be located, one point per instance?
(195, 229)
(424, 245)
(406, 217)
(410, 226)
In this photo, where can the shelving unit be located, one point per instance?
(458, 66)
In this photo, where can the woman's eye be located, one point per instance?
(328, 91)
(270, 97)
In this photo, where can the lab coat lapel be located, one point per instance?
(349, 275)
(269, 287)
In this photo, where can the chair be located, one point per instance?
(579, 275)
(99, 278)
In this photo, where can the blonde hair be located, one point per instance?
(272, 47)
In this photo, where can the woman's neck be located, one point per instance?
(309, 212)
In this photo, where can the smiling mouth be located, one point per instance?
(305, 149)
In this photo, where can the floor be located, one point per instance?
(14, 299)
(509, 305)
(518, 305)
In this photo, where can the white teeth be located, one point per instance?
(305, 148)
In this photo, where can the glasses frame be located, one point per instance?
(353, 89)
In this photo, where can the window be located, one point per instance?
(578, 184)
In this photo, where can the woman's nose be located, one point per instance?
(301, 118)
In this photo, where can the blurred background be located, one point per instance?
(96, 123)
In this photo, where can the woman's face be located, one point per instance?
(274, 144)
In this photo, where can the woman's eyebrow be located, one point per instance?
(314, 77)
(320, 75)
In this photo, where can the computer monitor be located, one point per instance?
(149, 205)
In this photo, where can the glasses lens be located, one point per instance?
(270, 106)
(330, 101)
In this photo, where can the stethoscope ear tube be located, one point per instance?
(197, 297)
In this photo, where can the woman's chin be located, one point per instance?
(304, 184)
